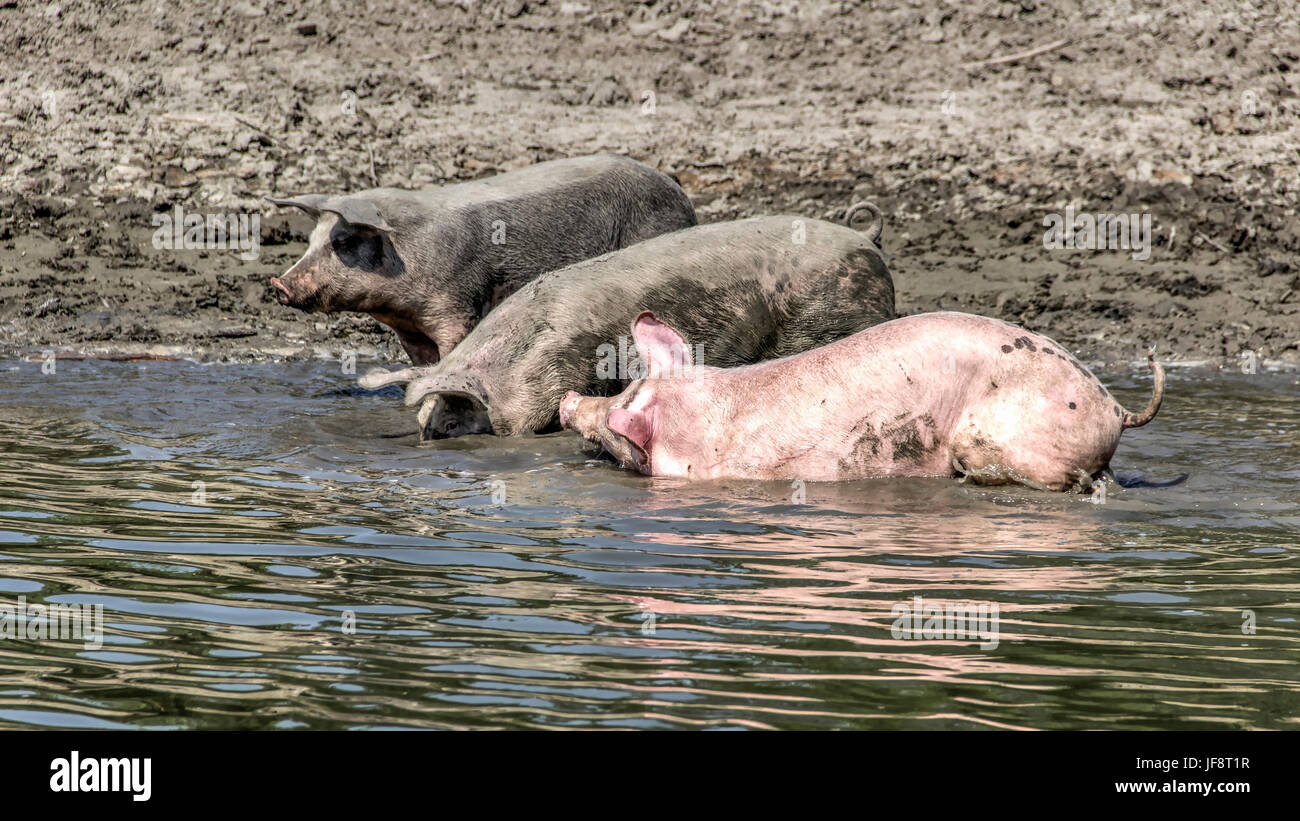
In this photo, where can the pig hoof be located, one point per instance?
(1084, 481)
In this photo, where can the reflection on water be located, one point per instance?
(327, 573)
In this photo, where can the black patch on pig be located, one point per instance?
(907, 444)
(993, 385)
(1020, 342)
(1047, 351)
(868, 444)
(906, 439)
(1006, 349)
(1071, 406)
(1028, 343)
(1116, 409)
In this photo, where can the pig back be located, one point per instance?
(746, 291)
(494, 234)
(740, 292)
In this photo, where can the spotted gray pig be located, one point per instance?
(744, 291)
(937, 394)
(431, 263)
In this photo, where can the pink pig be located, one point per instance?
(942, 394)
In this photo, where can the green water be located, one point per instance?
(331, 575)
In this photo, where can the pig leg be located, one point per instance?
(419, 344)
(418, 347)
(427, 348)
(995, 475)
(989, 462)
(449, 334)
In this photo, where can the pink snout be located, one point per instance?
(569, 407)
(282, 291)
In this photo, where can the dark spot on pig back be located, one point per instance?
(1116, 409)
(1072, 406)
(1047, 351)
(1019, 342)
(1006, 349)
(1028, 343)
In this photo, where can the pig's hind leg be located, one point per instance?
(1006, 457)
(994, 475)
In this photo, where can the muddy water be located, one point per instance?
(332, 575)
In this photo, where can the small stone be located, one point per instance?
(676, 32)
(174, 177)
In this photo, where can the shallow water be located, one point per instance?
(331, 575)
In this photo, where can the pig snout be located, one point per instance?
(568, 408)
(297, 289)
(282, 291)
(584, 414)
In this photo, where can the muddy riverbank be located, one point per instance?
(1183, 112)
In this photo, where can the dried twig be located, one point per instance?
(1212, 242)
(1015, 58)
(374, 179)
(256, 128)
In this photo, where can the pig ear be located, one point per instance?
(357, 211)
(379, 378)
(452, 384)
(311, 203)
(634, 425)
(664, 350)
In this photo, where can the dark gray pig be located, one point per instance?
(430, 264)
(740, 291)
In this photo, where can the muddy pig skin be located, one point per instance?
(744, 291)
(431, 263)
(941, 394)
